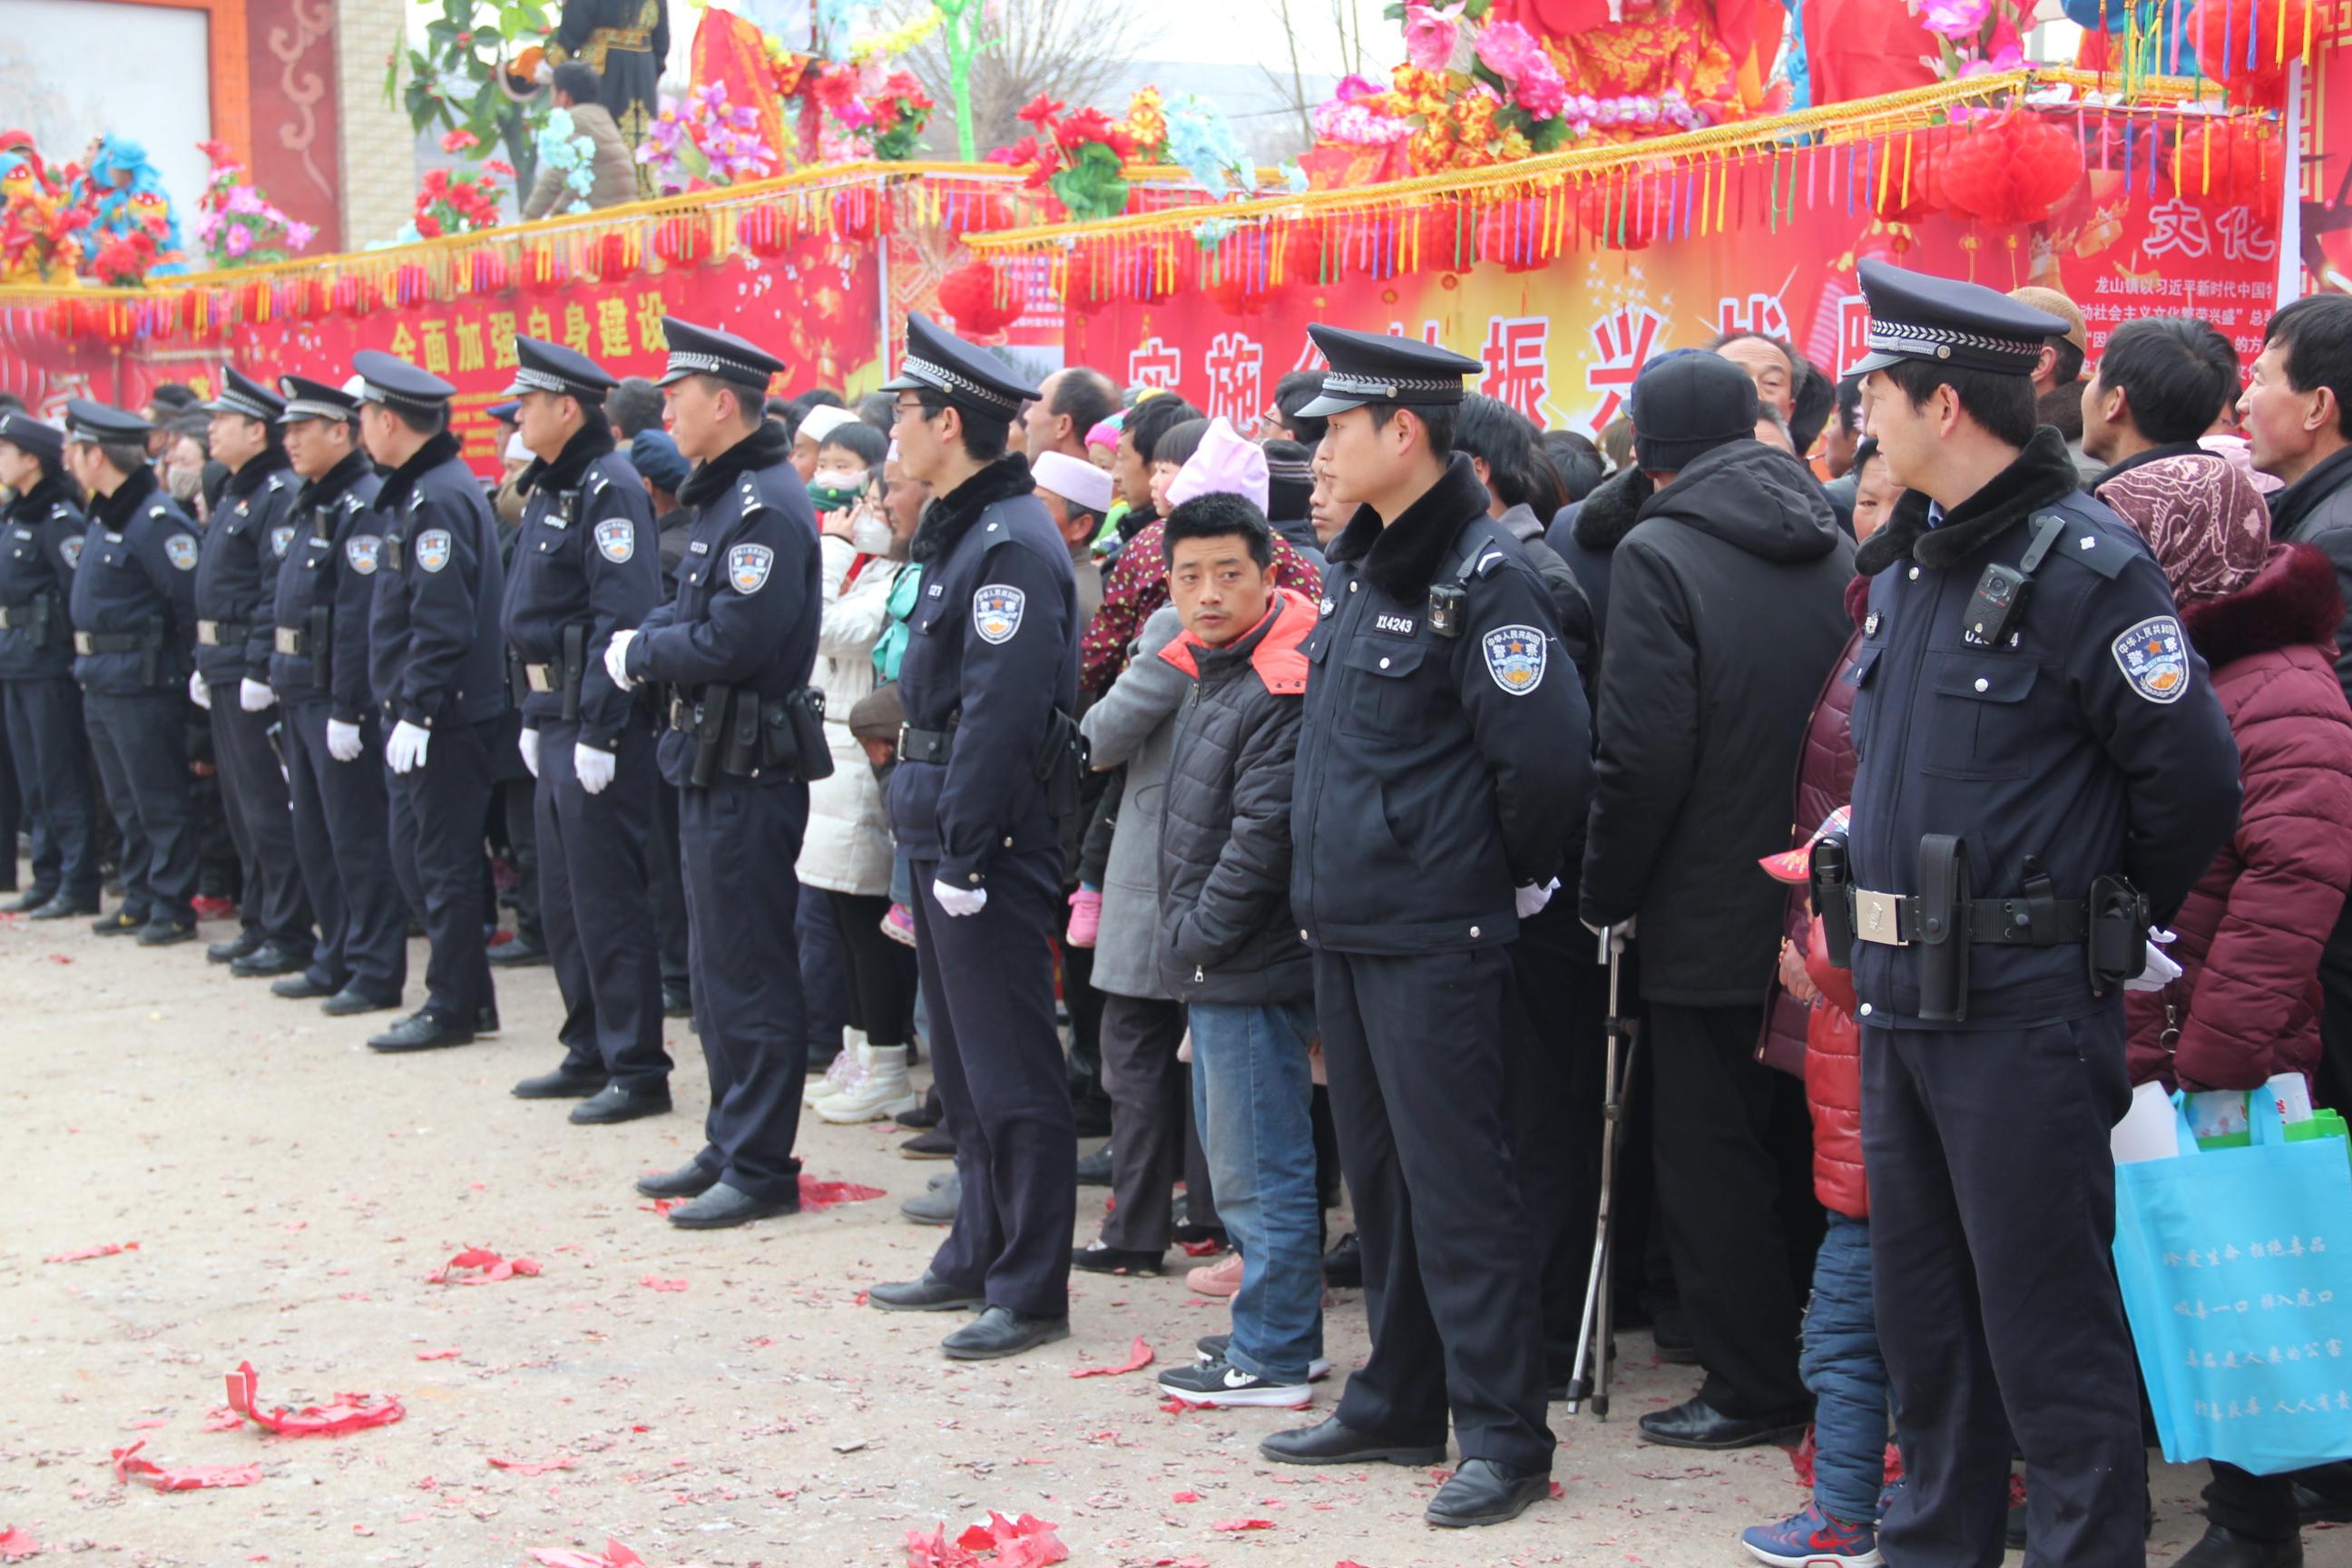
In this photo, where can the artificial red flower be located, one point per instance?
(437, 181)
(498, 166)
(1021, 152)
(1039, 112)
(459, 139)
(429, 226)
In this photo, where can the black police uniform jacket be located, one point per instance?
(236, 570)
(749, 597)
(137, 574)
(331, 566)
(2090, 738)
(44, 538)
(992, 651)
(434, 655)
(1435, 773)
(585, 555)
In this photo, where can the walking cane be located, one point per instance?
(1593, 1334)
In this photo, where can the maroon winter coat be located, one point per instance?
(2247, 1005)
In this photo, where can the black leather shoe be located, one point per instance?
(2322, 1495)
(676, 1001)
(32, 901)
(167, 933)
(688, 1181)
(1343, 1266)
(1099, 1258)
(422, 1030)
(350, 1002)
(1333, 1442)
(1000, 1332)
(722, 1206)
(561, 1085)
(64, 908)
(486, 1019)
(614, 1103)
(1696, 1423)
(522, 953)
(2224, 1548)
(1094, 1170)
(925, 1116)
(1484, 1491)
(266, 959)
(235, 948)
(122, 922)
(930, 1143)
(929, 1294)
(304, 987)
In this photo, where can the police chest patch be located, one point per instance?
(748, 566)
(280, 538)
(179, 549)
(2154, 657)
(996, 612)
(617, 537)
(433, 548)
(1515, 657)
(69, 547)
(363, 551)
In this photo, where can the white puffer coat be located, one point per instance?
(847, 848)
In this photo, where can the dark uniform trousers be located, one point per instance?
(988, 985)
(142, 743)
(738, 845)
(1991, 1182)
(667, 884)
(436, 812)
(340, 812)
(261, 822)
(50, 749)
(1414, 1048)
(591, 902)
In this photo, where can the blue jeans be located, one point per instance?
(1252, 1094)
(1847, 1376)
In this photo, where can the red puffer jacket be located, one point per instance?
(1833, 1083)
(2250, 934)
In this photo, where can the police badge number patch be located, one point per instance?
(2154, 657)
(996, 612)
(70, 548)
(280, 538)
(617, 539)
(433, 548)
(748, 566)
(1515, 657)
(364, 551)
(179, 549)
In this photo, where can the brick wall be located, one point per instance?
(378, 150)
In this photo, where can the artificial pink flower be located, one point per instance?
(1954, 18)
(1508, 50)
(1429, 34)
(1539, 90)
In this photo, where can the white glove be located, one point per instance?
(342, 740)
(529, 746)
(196, 692)
(616, 653)
(958, 901)
(595, 768)
(1531, 898)
(253, 696)
(405, 749)
(2161, 970)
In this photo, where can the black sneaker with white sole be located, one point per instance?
(1224, 1386)
(1212, 1347)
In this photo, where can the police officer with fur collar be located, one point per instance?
(47, 742)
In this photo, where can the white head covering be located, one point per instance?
(1075, 479)
(823, 421)
(516, 452)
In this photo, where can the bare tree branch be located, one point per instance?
(1073, 50)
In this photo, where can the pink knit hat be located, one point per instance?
(1226, 463)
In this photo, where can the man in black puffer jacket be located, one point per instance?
(1725, 610)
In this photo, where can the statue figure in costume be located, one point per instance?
(40, 223)
(624, 42)
(1715, 56)
(134, 234)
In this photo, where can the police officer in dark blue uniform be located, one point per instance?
(46, 742)
(2044, 771)
(1444, 762)
(236, 589)
(989, 681)
(436, 669)
(729, 661)
(586, 565)
(134, 610)
(334, 740)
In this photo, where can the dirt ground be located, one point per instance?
(722, 1399)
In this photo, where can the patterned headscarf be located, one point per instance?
(2201, 516)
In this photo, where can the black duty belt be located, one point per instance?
(1894, 919)
(21, 617)
(291, 642)
(542, 677)
(925, 745)
(222, 634)
(110, 642)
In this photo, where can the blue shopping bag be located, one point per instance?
(2236, 1266)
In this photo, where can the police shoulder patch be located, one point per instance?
(616, 537)
(996, 612)
(280, 538)
(1516, 656)
(748, 566)
(179, 549)
(69, 548)
(363, 551)
(433, 548)
(2154, 657)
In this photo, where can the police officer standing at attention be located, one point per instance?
(989, 678)
(1446, 760)
(730, 661)
(134, 608)
(2043, 771)
(335, 742)
(585, 565)
(434, 665)
(237, 591)
(41, 705)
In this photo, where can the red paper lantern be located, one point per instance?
(964, 211)
(857, 212)
(1896, 191)
(411, 285)
(764, 230)
(2247, 45)
(1301, 250)
(544, 270)
(2241, 164)
(1628, 209)
(485, 270)
(980, 301)
(1515, 234)
(1080, 285)
(65, 319)
(681, 241)
(2014, 170)
(354, 298)
(612, 256)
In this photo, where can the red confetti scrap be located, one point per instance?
(59, 958)
(1027, 1541)
(816, 1196)
(1558, 1491)
(480, 1266)
(1204, 1247)
(81, 1254)
(146, 1424)
(1186, 1497)
(223, 1419)
(449, 1355)
(1234, 1525)
(656, 1282)
(662, 1205)
(1178, 1407)
(18, 1543)
(348, 1412)
(1138, 1356)
(129, 1468)
(614, 1555)
(533, 1466)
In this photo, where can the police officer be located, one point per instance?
(134, 610)
(236, 589)
(1445, 760)
(586, 563)
(2043, 770)
(730, 659)
(47, 742)
(989, 678)
(334, 740)
(434, 668)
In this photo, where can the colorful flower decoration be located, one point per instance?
(239, 227)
